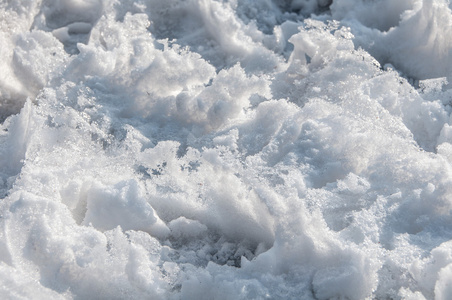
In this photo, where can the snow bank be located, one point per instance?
(225, 150)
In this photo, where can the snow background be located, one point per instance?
(195, 149)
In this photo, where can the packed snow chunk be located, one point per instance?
(445, 149)
(64, 253)
(15, 284)
(235, 210)
(36, 55)
(306, 248)
(443, 287)
(141, 267)
(223, 282)
(91, 62)
(70, 21)
(19, 15)
(416, 37)
(31, 59)
(224, 101)
(312, 45)
(78, 261)
(425, 119)
(445, 135)
(109, 49)
(381, 14)
(228, 140)
(174, 71)
(212, 29)
(63, 34)
(110, 34)
(208, 191)
(123, 205)
(433, 272)
(183, 228)
(59, 13)
(15, 144)
(407, 294)
(353, 185)
(268, 118)
(430, 41)
(343, 282)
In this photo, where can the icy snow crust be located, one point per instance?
(171, 149)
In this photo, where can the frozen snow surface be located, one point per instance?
(234, 149)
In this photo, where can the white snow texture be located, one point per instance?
(225, 149)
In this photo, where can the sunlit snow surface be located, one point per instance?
(242, 149)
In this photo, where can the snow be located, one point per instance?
(232, 149)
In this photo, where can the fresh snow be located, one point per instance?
(234, 149)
